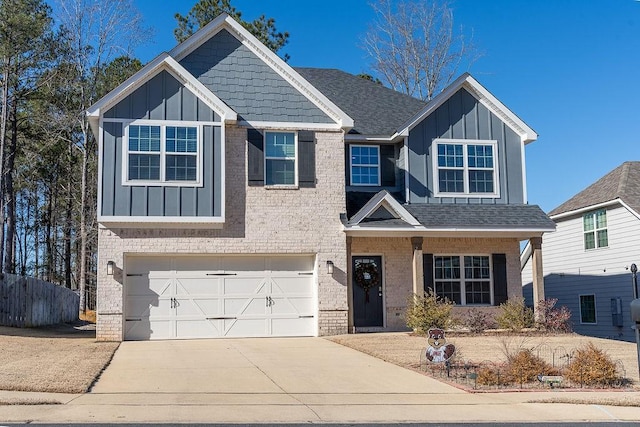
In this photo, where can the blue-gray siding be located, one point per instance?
(567, 288)
(119, 200)
(162, 98)
(248, 85)
(463, 117)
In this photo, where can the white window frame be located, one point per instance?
(595, 230)
(295, 159)
(351, 165)
(163, 153)
(595, 309)
(463, 279)
(465, 168)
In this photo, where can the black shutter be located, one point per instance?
(427, 271)
(306, 159)
(387, 166)
(255, 158)
(499, 278)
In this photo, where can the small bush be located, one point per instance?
(477, 321)
(491, 376)
(553, 319)
(429, 311)
(524, 367)
(592, 367)
(515, 316)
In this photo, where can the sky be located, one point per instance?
(568, 68)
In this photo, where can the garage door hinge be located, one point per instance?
(306, 274)
(222, 274)
(221, 318)
(133, 320)
(136, 275)
(306, 317)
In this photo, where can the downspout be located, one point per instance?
(406, 168)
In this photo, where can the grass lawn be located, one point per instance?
(62, 359)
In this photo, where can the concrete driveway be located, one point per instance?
(295, 380)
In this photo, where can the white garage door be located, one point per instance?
(226, 296)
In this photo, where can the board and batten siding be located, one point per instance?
(463, 117)
(161, 98)
(571, 271)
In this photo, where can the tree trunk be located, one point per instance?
(4, 117)
(68, 224)
(10, 197)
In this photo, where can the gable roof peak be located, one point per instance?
(621, 183)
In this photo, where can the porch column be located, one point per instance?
(417, 269)
(538, 274)
(350, 329)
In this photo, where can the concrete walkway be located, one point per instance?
(295, 380)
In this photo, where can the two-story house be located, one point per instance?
(587, 260)
(241, 197)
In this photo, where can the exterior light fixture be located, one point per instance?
(110, 267)
(330, 267)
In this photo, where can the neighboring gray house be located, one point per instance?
(239, 197)
(587, 259)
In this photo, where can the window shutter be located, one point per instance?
(306, 159)
(427, 271)
(387, 166)
(499, 278)
(255, 158)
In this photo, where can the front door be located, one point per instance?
(366, 282)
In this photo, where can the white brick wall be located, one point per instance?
(397, 256)
(258, 221)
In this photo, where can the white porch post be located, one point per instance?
(538, 274)
(350, 324)
(417, 268)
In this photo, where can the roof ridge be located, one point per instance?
(622, 183)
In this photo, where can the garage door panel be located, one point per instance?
(136, 306)
(197, 286)
(292, 327)
(288, 285)
(245, 306)
(205, 307)
(197, 263)
(287, 263)
(244, 285)
(245, 328)
(197, 328)
(256, 263)
(145, 265)
(292, 305)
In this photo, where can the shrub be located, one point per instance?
(477, 320)
(515, 316)
(592, 367)
(491, 376)
(429, 311)
(553, 319)
(524, 367)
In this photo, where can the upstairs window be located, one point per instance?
(365, 165)
(595, 230)
(162, 154)
(466, 168)
(280, 158)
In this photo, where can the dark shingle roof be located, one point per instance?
(357, 199)
(481, 216)
(375, 109)
(623, 182)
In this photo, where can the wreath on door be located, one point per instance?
(367, 276)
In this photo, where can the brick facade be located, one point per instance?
(258, 221)
(397, 258)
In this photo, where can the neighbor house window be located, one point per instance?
(365, 165)
(595, 229)
(587, 309)
(162, 154)
(280, 158)
(466, 167)
(465, 280)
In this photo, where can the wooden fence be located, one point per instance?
(26, 302)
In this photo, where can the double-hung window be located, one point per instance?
(280, 158)
(595, 229)
(365, 165)
(465, 280)
(588, 309)
(162, 154)
(466, 168)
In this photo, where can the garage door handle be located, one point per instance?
(221, 318)
(222, 274)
